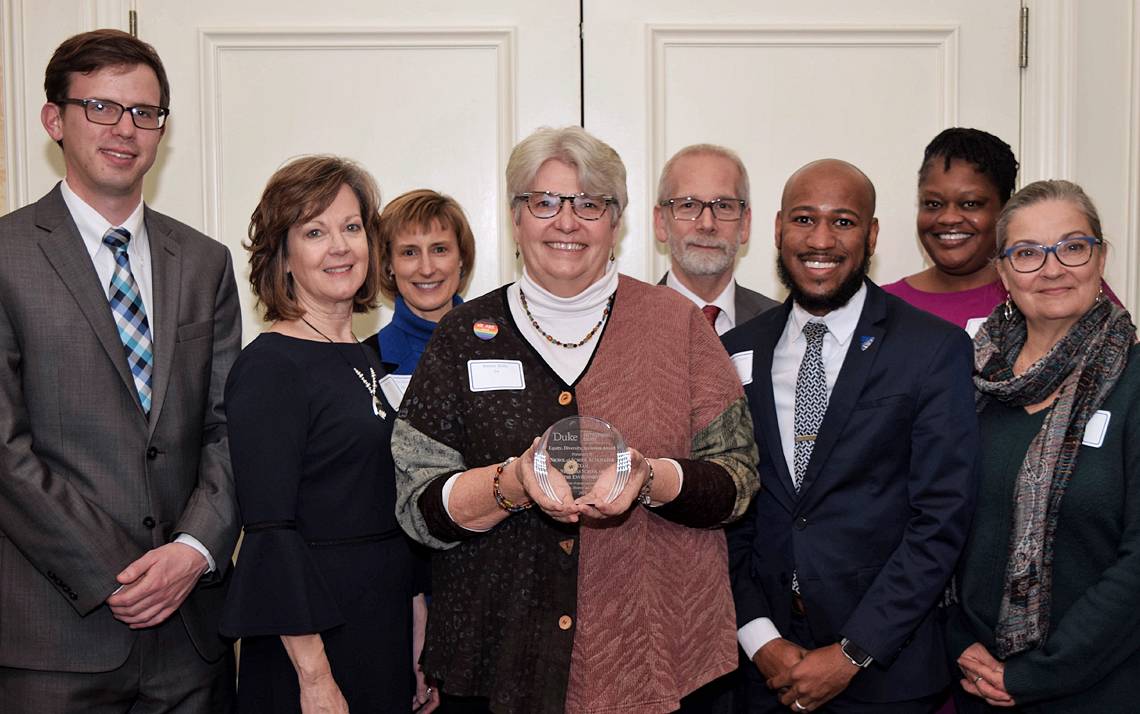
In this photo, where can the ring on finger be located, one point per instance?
(977, 679)
(799, 706)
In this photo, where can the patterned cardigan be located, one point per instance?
(541, 617)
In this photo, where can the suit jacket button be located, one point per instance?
(565, 622)
(148, 522)
(152, 453)
(801, 523)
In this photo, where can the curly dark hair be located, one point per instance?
(989, 155)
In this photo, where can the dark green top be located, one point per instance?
(1091, 659)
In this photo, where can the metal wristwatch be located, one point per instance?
(855, 654)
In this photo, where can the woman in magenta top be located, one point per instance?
(966, 177)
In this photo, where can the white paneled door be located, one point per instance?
(426, 94)
(435, 93)
(784, 83)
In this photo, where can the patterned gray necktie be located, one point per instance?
(811, 404)
(811, 400)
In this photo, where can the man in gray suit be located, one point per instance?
(118, 326)
(702, 214)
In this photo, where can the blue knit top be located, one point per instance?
(404, 339)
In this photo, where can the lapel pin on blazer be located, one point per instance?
(865, 342)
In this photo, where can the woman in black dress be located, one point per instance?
(321, 595)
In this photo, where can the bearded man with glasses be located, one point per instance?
(702, 214)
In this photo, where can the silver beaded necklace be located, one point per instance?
(377, 408)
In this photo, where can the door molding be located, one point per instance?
(215, 43)
(942, 39)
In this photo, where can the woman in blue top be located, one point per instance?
(426, 260)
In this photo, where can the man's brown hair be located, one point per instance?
(92, 51)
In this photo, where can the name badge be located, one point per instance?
(393, 386)
(743, 363)
(973, 325)
(488, 375)
(1096, 429)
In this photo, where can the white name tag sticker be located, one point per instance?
(488, 375)
(1096, 429)
(973, 325)
(743, 363)
(394, 386)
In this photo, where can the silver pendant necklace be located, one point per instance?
(377, 407)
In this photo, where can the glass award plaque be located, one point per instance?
(585, 451)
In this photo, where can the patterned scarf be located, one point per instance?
(1084, 365)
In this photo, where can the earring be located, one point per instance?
(516, 252)
(612, 255)
(1100, 293)
(1007, 310)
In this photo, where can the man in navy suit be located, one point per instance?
(864, 413)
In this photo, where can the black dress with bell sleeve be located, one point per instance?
(322, 552)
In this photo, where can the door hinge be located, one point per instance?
(1023, 40)
(133, 23)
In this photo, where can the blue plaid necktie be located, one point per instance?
(130, 315)
(811, 404)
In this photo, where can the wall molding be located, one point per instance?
(106, 13)
(660, 38)
(1131, 244)
(1048, 88)
(15, 109)
(214, 43)
(89, 15)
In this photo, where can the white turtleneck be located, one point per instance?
(565, 319)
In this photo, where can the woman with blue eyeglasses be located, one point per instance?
(1049, 618)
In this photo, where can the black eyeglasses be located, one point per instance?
(1071, 252)
(104, 111)
(544, 204)
(688, 208)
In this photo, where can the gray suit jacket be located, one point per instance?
(88, 482)
(749, 303)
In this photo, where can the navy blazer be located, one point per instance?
(886, 502)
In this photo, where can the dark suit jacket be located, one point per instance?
(885, 504)
(88, 482)
(748, 303)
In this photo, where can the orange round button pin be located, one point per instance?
(565, 398)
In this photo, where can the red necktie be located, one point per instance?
(711, 312)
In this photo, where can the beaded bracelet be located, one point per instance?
(500, 499)
(643, 495)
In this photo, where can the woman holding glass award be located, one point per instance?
(574, 597)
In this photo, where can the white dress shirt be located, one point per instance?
(786, 359)
(726, 301)
(92, 227)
